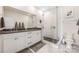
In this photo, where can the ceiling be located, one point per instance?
(45, 8)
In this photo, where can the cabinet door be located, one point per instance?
(28, 39)
(0, 43)
(36, 36)
(33, 37)
(9, 45)
(20, 41)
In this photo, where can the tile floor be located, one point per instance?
(49, 47)
(34, 48)
(54, 48)
(45, 47)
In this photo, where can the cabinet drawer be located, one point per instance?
(19, 34)
(8, 36)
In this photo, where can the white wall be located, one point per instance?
(67, 25)
(12, 16)
(48, 22)
(28, 9)
(39, 17)
(59, 23)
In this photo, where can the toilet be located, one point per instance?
(69, 41)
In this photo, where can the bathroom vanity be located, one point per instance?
(15, 41)
(20, 30)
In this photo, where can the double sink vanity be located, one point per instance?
(18, 29)
(15, 41)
